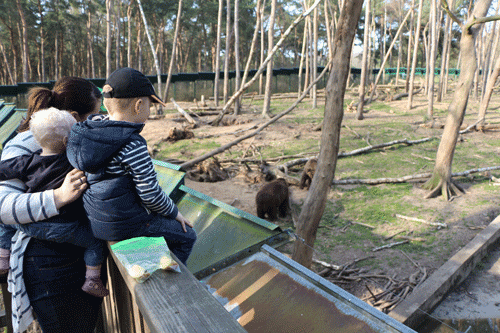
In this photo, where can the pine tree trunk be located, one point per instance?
(315, 202)
(227, 51)
(415, 53)
(408, 54)
(109, 6)
(364, 63)
(129, 34)
(237, 82)
(42, 44)
(24, 41)
(217, 54)
(269, 72)
(432, 60)
(172, 57)
(315, 58)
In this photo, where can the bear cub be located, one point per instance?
(308, 173)
(272, 198)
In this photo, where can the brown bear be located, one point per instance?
(271, 198)
(308, 173)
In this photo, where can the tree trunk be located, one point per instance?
(42, 44)
(408, 54)
(415, 53)
(237, 82)
(217, 54)
(259, 11)
(441, 182)
(485, 101)
(7, 65)
(315, 202)
(24, 43)
(444, 55)
(227, 51)
(129, 34)
(314, 71)
(172, 57)
(155, 56)
(302, 56)
(432, 60)
(109, 6)
(364, 63)
(262, 47)
(269, 72)
(117, 34)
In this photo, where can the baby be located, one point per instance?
(44, 170)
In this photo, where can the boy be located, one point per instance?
(46, 170)
(124, 199)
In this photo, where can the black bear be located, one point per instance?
(308, 173)
(271, 198)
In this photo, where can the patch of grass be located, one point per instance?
(179, 148)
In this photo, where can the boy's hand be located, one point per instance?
(182, 220)
(71, 189)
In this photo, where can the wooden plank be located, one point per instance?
(178, 302)
(427, 296)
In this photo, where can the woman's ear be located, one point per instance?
(65, 141)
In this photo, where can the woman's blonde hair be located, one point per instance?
(51, 127)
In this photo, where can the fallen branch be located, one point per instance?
(184, 113)
(360, 150)
(414, 219)
(389, 245)
(420, 177)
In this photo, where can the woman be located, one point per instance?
(51, 273)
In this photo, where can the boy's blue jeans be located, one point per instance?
(76, 233)
(179, 242)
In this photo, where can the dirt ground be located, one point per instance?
(240, 193)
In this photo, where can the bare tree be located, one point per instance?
(269, 72)
(109, 6)
(445, 54)
(217, 54)
(42, 41)
(24, 38)
(315, 202)
(364, 63)
(227, 50)
(237, 81)
(441, 183)
(129, 33)
(174, 43)
(432, 60)
(414, 60)
(155, 56)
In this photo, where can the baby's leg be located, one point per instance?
(179, 242)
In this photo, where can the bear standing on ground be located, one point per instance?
(271, 198)
(308, 173)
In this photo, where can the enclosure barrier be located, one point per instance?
(22, 88)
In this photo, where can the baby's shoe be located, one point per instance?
(95, 287)
(4, 265)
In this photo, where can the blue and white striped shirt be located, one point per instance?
(134, 160)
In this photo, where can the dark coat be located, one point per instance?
(112, 204)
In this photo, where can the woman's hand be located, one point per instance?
(182, 220)
(71, 189)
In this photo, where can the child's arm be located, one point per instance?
(135, 159)
(14, 167)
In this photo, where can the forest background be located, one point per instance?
(44, 40)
